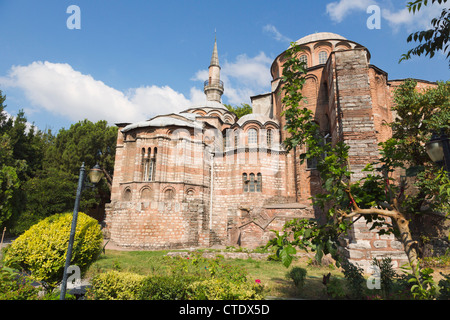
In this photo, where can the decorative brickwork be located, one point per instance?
(203, 177)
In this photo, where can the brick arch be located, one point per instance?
(169, 193)
(326, 45)
(304, 50)
(310, 90)
(146, 193)
(200, 112)
(342, 46)
(127, 194)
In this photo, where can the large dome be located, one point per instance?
(320, 36)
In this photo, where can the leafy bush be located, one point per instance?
(298, 275)
(355, 279)
(13, 286)
(41, 250)
(444, 287)
(334, 289)
(166, 287)
(115, 285)
(387, 275)
(221, 289)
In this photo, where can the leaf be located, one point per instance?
(286, 255)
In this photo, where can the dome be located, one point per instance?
(210, 104)
(166, 120)
(320, 36)
(255, 117)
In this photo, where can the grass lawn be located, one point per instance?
(272, 274)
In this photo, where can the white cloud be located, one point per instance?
(59, 89)
(339, 10)
(397, 16)
(412, 21)
(273, 32)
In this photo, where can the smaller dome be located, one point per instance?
(255, 117)
(320, 36)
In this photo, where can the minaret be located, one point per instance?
(213, 86)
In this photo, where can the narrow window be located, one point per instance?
(269, 138)
(252, 136)
(304, 58)
(245, 182)
(259, 182)
(252, 183)
(143, 164)
(236, 139)
(323, 57)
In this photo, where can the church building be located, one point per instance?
(203, 177)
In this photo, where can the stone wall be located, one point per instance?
(364, 245)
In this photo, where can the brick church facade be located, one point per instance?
(202, 177)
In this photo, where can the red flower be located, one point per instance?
(258, 281)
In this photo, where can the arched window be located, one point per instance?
(252, 184)
(269, 138)
(252, 136)
(236, 138)
(304, 58)
(251, 187)
(149, 164)
(245, 182)
(259, 182)
(323, 57)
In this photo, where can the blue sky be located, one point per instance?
(134, 59)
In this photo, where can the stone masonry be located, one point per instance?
(203, 177)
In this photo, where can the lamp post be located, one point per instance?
(95, 175)
(438, 149)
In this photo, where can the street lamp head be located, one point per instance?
(435, 149)
(95, 174)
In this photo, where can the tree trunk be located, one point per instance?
(407, 241)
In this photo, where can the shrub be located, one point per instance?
(334, 289)
(444, 287)
(387, 275)
(166, 287)
(14, 286)
(41, 250)
(115, 285)
(298, 275)
(221, 289)
(354, 279)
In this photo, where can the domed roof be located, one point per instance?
(210, 104)
(320, 36)
(255, 117)
(167, 120)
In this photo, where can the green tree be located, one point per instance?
(241, 110)
(431, 40)
(10, 170)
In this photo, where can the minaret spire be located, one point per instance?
(213, 86)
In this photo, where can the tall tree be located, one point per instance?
(241, 110)
(431, 40)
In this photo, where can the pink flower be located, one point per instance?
(258, 281)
